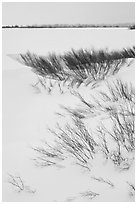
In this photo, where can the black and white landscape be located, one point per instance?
(68, 102)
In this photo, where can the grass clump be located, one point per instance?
(76, 141)
(114, 136)
(116, 96)
(73, 141)
(77, 67)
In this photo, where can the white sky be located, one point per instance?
(71, 12)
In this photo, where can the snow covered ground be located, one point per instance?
(27, 113)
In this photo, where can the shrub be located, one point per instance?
(118, 104)
(73, 141)
(118, 96)
(115, 135)
(75, 67)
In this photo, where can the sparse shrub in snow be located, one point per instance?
(116, 141)
(48, 155)
(116, 95)
(114, 134)
(77, 141)
(19, 185)
(75, 67)
(73, 141)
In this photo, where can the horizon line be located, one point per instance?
(77, 25)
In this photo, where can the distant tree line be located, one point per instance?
(129, 26)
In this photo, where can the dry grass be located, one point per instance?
(18, 184)
(75, 68)
(116, 143)
(48, 155)
(101, 180)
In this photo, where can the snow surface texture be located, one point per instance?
(27, 112)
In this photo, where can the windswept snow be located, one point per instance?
(28, 112)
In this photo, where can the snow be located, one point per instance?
(27, 113)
